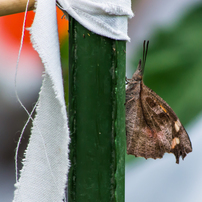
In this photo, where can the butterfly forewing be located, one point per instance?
(144, 135)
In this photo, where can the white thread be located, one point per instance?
(16, 70)
(19, 141)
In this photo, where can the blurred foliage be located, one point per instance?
(174, 66)
(64, 50)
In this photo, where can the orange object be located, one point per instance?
(11, 27)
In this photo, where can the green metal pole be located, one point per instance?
(96, 116)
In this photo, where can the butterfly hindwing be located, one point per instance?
(145, 136)
(168, 122)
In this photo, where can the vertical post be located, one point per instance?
(96, 116)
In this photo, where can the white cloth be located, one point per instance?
(44, 173)
(108, 18)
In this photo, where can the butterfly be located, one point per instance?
(152, 127)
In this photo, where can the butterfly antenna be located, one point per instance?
(145, 50)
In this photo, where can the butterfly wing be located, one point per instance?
(143, 138)
(152, 128)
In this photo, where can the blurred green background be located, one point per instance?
(174, 65)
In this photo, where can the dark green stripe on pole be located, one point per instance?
(96, 116)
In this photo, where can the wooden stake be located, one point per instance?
(96, 116)
(8, 7)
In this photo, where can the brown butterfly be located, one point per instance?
(152, 127)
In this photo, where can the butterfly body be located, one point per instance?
(152, 127)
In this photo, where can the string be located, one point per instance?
(15, 80)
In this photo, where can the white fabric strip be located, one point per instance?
(108, 18)
(44, 173)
